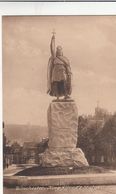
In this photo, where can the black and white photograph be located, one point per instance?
(59, 104)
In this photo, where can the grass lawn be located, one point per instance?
(41, 171)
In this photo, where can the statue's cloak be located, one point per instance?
(66, 64)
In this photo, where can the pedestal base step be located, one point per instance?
(70, 157)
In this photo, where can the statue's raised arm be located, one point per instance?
(52, 46)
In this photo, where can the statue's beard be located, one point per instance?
(59, 53)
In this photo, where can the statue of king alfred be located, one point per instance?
(59, 73)
(62, 115)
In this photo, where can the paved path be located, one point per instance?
(13, 169)
(64, 190)
(10, 171)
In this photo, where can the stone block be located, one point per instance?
(63, 133)
(61, 157)
(62, 124)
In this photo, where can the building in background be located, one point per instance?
(97, 137)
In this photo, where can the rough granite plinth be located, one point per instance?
(69, 157)
(62, 124)
(63, 128)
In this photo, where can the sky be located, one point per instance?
(89, 42)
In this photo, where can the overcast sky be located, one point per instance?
(89, 42)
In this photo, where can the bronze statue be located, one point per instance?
(59, 73)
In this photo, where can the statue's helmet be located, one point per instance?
(59, 51)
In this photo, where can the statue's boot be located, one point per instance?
(67, 97)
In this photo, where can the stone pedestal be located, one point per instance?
(63, 125)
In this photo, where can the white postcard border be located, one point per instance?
(45, 8)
